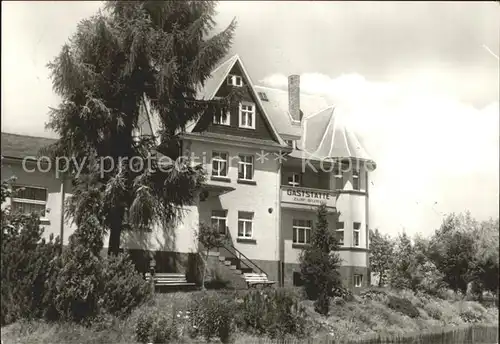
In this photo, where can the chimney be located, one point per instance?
(294, 97)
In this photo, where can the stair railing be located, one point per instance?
(238, 254)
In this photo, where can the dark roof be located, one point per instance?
(20, 146)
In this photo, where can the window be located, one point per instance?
(290, 143)
(245, 167)
(294, 179)
(223, 118)
(358, 280)
(339, 181)
(235, 80)
(355, 180)
(28, 200)
(245, 224)
(355, 234)
(302, 231)
(219, 164)
(339, 232)
(247, 115)
(219, 220)
(263, 96)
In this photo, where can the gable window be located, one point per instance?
(355, 233)
(302, 231)
(219, 164)
(245, 167)
(223, 118)
(339, 232)
(247, 115)
(355, 180)
(294, 179)
(219, 220)
(28, 199)
(245, 224)
(235, 80)
(358, 280)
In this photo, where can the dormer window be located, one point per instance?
(235, 80)
(263, 96)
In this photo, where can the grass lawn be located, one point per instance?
(346, 320)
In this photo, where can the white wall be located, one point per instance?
(257, 198)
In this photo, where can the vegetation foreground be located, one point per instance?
(172, 316)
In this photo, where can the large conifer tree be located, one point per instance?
(131, 54)
(320, 262)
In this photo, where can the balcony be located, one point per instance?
(307, 198)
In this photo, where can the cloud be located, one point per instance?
(428, 145)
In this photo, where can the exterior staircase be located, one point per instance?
(241, 266)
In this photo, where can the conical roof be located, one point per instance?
(326, 135)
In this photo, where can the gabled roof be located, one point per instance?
(277, 108)
(214, 82)
(327, 135)
(21, 146)
(217, 77)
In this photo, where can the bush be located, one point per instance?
(403, 306)
(124, 287)
(343, 293)
(79, 283)
(274, 313)
(143, 327)
(155, 328)
(433, 310)
(25, 263)
(212, 315)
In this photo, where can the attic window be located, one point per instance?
(263, 96)
(235, 80)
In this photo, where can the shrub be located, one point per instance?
(124, 287)
(274, 313)
(374, 294)
(403, 306)
(469, 316)
(155, 328)
(143, 327)
(25, 263)
(212, 315)
(77, 289)
(343, 293)
(433, 310)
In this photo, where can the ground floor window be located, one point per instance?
(302, 231)
(28, 200)
(219, 220)
(245, 224)
(358, 280)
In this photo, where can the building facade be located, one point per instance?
(270, 160)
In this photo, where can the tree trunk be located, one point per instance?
(115, 232)
(380, 280)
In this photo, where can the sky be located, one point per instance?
(418, 80)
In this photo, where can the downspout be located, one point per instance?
(367, 231)
(280, 234)
(63, 196)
